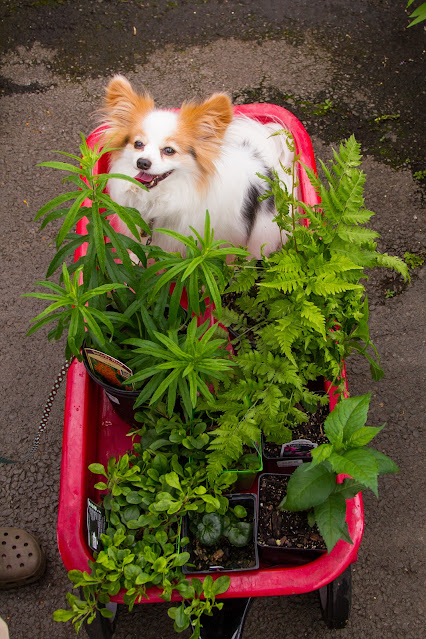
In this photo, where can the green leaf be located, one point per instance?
(60, 199)
(63, 615)
(97, 469)
(363, 436)
(358, 464)
(348, 488)
(321, 453)
(308, 486)
(172, 479)
(348, 416)
(221, 585)
(330, 518)
(384, 463)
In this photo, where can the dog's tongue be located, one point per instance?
(145, 178)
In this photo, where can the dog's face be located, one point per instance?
(155, 144)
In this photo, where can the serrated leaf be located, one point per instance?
(308, 486)
(358, 464)
(348, 416)
(330, 519)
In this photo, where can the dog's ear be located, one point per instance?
(211, 118)
(122, 103)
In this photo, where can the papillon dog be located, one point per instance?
(192, 160)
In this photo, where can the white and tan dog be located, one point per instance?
(192, 160)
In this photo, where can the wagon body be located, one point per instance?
(93, 432)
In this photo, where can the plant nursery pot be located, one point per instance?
(232, 555)
(284, 538)
(285, 458)
(247, 477)
(122, 401)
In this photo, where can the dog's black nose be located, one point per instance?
(143, 164)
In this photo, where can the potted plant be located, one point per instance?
(338, 471)
(304, 308)
(126, 319)
(222, 542)
(199, 407)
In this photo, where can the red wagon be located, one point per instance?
(93, 432)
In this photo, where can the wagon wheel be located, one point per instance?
(335, 600)
(101, 627)
(227, 623)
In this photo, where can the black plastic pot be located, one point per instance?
(121, 400)
(247, 477)
(293, 455)
(295, 452)
(242, 499)
(273, 553)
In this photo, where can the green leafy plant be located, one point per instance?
(187, 363)
(302, 311)
(147, 493)
(191, 611)
(418, 15)
(211, 527)
(413, 261)
(77, 314)
(202, 269)
(92, 202)
(314, 485)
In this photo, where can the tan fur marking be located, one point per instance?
(123, 109)
(201, 127)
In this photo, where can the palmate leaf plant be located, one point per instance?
(179, 366)
(313, 486)
(202, 270)
(75, 315)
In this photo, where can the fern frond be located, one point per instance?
(243, 281)
(393, 262)
(356, 235)
(312, 317)
(362, 216)
(330, 285)
(349, 156)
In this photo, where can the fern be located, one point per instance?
(305, 309)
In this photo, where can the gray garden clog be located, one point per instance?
(22, 560)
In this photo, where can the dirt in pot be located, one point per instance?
(312, 430)
(278, 528)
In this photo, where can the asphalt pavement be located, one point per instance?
(342, 68)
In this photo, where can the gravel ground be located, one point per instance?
(342, 68)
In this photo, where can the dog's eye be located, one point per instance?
(169, 151)
(138, 144)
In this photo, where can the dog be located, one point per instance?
(197, 159)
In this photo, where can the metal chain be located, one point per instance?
(46, 414)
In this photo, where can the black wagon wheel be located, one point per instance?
(227, 623)
(102, 627)
(335, 600)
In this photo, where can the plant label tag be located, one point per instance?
(108, 369)
(297, 447)
(289, 463)
(96, 524)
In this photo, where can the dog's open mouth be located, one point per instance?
(149, 180)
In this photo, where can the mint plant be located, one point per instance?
(314, 486)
